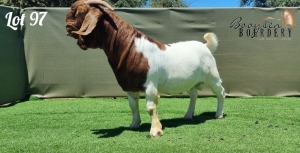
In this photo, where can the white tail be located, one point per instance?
(212, 41)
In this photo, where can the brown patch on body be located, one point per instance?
(161, 46)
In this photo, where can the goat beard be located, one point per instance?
(81, 43)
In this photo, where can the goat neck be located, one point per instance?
(117, 41)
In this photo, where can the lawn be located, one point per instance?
(258, 124)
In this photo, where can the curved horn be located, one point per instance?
(100, 2)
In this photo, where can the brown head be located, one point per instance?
(83, 18)
(97, 27)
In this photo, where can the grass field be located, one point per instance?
(260, 124)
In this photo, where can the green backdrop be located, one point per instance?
(258, 52)
(13, 73)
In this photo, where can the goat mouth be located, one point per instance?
(70, 28)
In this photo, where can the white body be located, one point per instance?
(182, 66)
(178, 68)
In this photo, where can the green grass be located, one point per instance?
(260, 124)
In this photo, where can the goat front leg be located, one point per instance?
(133, 98)
(152, 101)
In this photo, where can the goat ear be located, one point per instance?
(90, 22)
(111, 18)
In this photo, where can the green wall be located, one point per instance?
(255, 56)
(13, 72)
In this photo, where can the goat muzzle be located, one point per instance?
(70, 28)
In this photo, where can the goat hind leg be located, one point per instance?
(193, 97)
(220, 93)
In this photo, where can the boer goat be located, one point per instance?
(142, 64)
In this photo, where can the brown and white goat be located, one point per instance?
(142, 64)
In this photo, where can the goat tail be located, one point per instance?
(212, 41)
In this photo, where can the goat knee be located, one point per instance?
(151, 107)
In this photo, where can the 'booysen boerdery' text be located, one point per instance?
(266, 29)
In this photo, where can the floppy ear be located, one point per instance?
(110, 18)
(90, 21)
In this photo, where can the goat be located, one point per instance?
(142, 64)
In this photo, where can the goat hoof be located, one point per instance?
(134, 126)
(188, 117)
(219, 115)
(155, 133)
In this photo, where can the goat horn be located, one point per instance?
(100, 2)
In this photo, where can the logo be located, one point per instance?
(270, 28)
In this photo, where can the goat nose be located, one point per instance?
(69, 30)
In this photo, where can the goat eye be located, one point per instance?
(72, 8)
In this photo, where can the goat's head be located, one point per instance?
(82, 18)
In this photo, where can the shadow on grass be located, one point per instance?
(167, 123)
